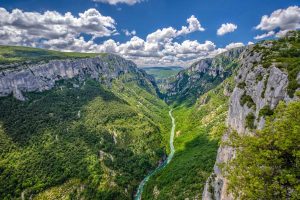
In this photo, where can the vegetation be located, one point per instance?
(246, 99)
(241, 85)
(85, 141)
(250, 118)
(13, 56)
(266, 111)
(193, 83)
(271, 168)
(97, 142)
(265, 86)
(161, 73)
(198, 130)
(285, 54)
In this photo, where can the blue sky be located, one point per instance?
(147, 17)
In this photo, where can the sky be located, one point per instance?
(149, 32)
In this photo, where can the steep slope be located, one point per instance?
(201, 77)
(260, 77)
(198, 130)
(162, 75)
(86, 128)
(200, 122)
(269, 74)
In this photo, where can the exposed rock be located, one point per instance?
(226, 90)
(41, 77)
(202, 76)
(266, 87)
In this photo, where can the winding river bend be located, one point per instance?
(139, 192)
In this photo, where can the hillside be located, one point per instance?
(89, 126)
(261, 105)
(15, 55)
(160, 73)
(77, 135)
(261, 77)
(201, 77)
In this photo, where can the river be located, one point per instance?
(139, 192)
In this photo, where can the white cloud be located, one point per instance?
(115, 2)
(168, 34)
(268, 34)
(281, 33)
(194, 25)
(234, 45)
(226, 28)
(27, 28)
(250, 43)
(56, 31)
(162, 35)
(282, 19)
(129, 33)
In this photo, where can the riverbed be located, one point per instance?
(139, 192)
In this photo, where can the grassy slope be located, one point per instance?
(198, 130)
(23, 55)
(62, 140)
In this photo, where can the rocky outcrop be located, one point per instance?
(257, 87)
(202, 76)
(41, 77)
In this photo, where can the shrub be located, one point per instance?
(266, 111)
(265, 87)
(246, 99)
(241, 85)
(259, 77)
(267, 167)
(250, 120)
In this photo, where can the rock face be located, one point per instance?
(41, 77)
(261, 87)
(202, 76)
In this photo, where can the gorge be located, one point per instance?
(95, 126)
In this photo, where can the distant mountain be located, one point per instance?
(201, 77)
(160, 73)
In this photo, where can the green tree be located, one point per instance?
(267, 164)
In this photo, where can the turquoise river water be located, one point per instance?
(139, 192)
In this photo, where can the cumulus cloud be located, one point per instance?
(129, 33)
(234, 45)
(282, 19)
(268, 34)
(226, 28)
(29, 28)
(168, 34)
(53, 30)
(115, 2)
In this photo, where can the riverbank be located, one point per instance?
(138, 195)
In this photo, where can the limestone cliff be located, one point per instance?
(202, 76)
(41, 77)
(259, 85)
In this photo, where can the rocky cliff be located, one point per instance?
(202, 76)
(266, 76)
(41, 77)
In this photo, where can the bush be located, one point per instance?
(250, 118)
(241, 85)
(246, 99)
(267, 167)
(266, 111)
